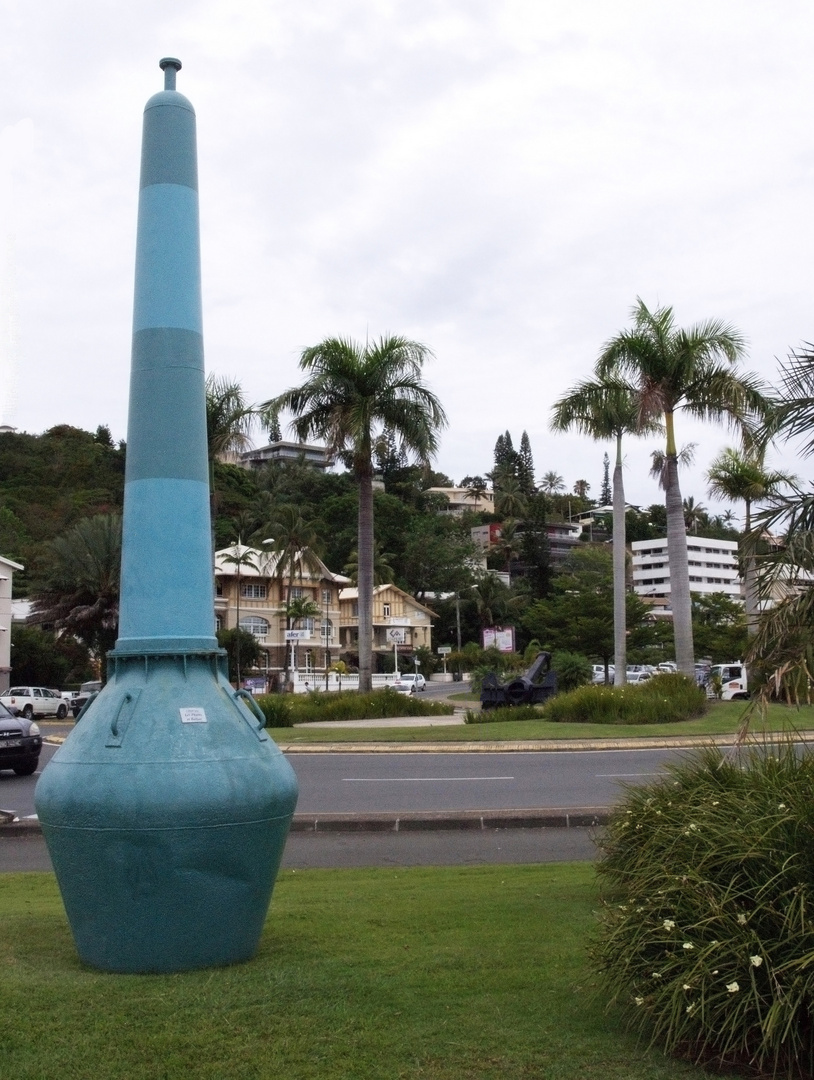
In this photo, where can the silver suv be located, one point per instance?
(32, 701)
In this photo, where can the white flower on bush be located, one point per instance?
(691, 1008)
(688, 945)
(732, 987)
(742, 919)
(686, 986)
(781, 806)
(755, 961)
(656, 975)
(639, 1000)
(669, 924)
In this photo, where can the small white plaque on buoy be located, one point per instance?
(193, 716)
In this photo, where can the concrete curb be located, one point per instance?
(660, 742)
(581, 817)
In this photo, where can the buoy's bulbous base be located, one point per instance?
(166, 812)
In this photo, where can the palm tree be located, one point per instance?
(607, 409)
(238, 555)
(510, 544)
(784, 642)
(695, 514)
(228, 428)
(383, 572)
(669, 369)
(298, 611)
(552, 483)
(509, 498)
(80, 592)
(738, 476)
(352, 394)
(581, 489)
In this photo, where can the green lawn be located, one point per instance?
(723, 717)
(438, 974)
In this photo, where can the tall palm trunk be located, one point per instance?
(365, 542)
(619, 551)
(750, 574)
(680, 600)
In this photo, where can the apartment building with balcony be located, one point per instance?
(713, 566)
(259, 592)
(399, 620)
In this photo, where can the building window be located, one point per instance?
(327, 630)
(327, 596)
(297, 592)
(354, 609)
(308, 660)
(253, 624)
(386, 610)
(218, 623)
(218, 588)
(252, 590)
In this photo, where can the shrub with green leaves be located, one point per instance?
(284, 710)
(664, 699)
(706, 936)
(573, 670)
(501, 715)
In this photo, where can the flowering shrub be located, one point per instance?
(706, 936)
(663, 699)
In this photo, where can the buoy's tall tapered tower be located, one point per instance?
(167, 809)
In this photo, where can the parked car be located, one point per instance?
(86, 691)
(402, 686)
(20, 743)
(31, 701)
(634, 677)
(598, 673)
(418, 681)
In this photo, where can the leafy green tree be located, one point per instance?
(535, 554)
(80, 590)
(41, 658)
(670, 369)
(242, 651)
(605, 493)
(351, 395)
(525, 465)
(719, 627)
(578, 615)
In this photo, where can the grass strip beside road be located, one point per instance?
(443, 974)
(723, 718)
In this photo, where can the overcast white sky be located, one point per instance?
(498, 179)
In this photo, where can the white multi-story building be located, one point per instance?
(713, 568)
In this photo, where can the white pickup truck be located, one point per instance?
(33, 701)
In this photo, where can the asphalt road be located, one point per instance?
(342, 850)
(405, 782)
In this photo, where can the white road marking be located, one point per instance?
(619, 775)
(415, 779)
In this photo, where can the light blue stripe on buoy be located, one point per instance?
(168, 260)
(167, 587)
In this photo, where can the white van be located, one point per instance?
(733, 681)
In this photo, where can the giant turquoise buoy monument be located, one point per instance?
(167, 808)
